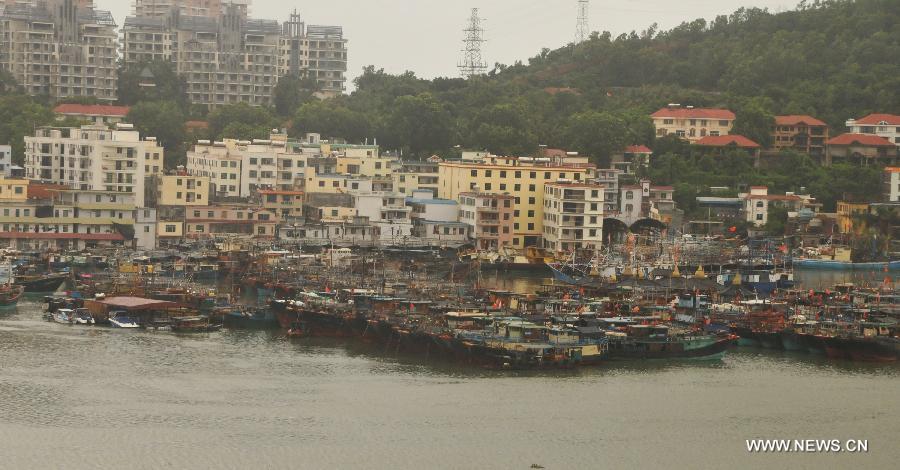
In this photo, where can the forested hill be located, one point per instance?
(831, 59)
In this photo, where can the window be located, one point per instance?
(629, 208)
(474, 173)
(723, 123)
(759, 204)
(593, 206)
(488, 173)
(530, 226)
(503, 174)
(170, 229)
(530, 214)
(487, 186)
(518, 174)
(502, 187)
(146, 229)
(759, 216)
(532, 188)
(629, 195)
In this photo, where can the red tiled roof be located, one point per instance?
(795, 119)
(874, 119)
(638, 149)
(92, 110)
(44, 191)
(867, 140)
(726, 140)
(892, 169)
(694, 113)
(65, 236)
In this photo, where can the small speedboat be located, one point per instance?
(122, 320)
(64, 316)
(83, 317)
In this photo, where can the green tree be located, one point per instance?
(243, 119)
(755, 123)
(331, 120)
(19, 116)
(291, 92)
(597, 134)
(152, 81)
(165, 121)
(420, 124)
(504, 129)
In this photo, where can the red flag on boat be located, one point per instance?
(732, 229)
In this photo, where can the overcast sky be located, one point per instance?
(425, 36)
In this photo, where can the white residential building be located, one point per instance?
(573, 216)
(388, 212)
(884, 125)
(5, 160)
(93, 158)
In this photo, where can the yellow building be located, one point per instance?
(184, 190)
(13, 189)
(523, 178)
(692, 123)
(846, 212)
(284, 203)
(170, 229)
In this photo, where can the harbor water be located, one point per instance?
(91, 398)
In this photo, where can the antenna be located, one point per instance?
(472, 63)
(582, 28)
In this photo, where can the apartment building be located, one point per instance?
(892, 184)
(207, 8)
(411, 177)
(692, 123)
(60, 48)
(608, 179)
(94, 158)
(758, 202)
(882, 125)
(229, 58)
(573, 216)
(388, 212)
(287, 204)
(489, 218)
(184, 190)
(523, 178)
(5, 161)
(800, 132)
(232, 219)
(72, 219)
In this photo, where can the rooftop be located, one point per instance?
(727, 140)
(92, 110)
(638, 149)
(797, 119)
(860, 139)
(693, 113)
(875, 119)
(448, 202)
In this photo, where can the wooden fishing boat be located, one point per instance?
(10, 294)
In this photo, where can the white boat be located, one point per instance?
(64, 316)
(83, 317)
(122, 320)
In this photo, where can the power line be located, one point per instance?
(473, 64)
(582, 29)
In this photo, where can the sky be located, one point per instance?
(425, 36)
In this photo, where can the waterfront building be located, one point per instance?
(228, 58)
(440, 233)
(60, 48)
(427, 207)
(645, 201)
(68, 219)
(573, 216)
(184, 190)
(388, 212)
(607, 178)
(94, 158)
(229, 220)
(800, 132)
(692, 123)
(287, 204)
(847, 212)
(523, 178)
(880, 124)
(758, 202)
(490, 218)
(414, 176)
(863, 149)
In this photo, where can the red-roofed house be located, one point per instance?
(93, 113)
(800, 132)
(692, 123)
(884, 125)
(721, 143)
(632, 157)
(860, 148)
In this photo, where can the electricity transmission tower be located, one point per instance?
(472, 63)
(582, 29)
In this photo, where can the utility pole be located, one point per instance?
(472, 63)
(582, 28)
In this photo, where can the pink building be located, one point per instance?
(491, 217)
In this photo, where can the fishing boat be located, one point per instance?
(42, 283)
(193, 325)
(835, 265)
(122, 320)
(9, 295)
(251, 318)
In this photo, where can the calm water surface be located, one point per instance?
(87, 398)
